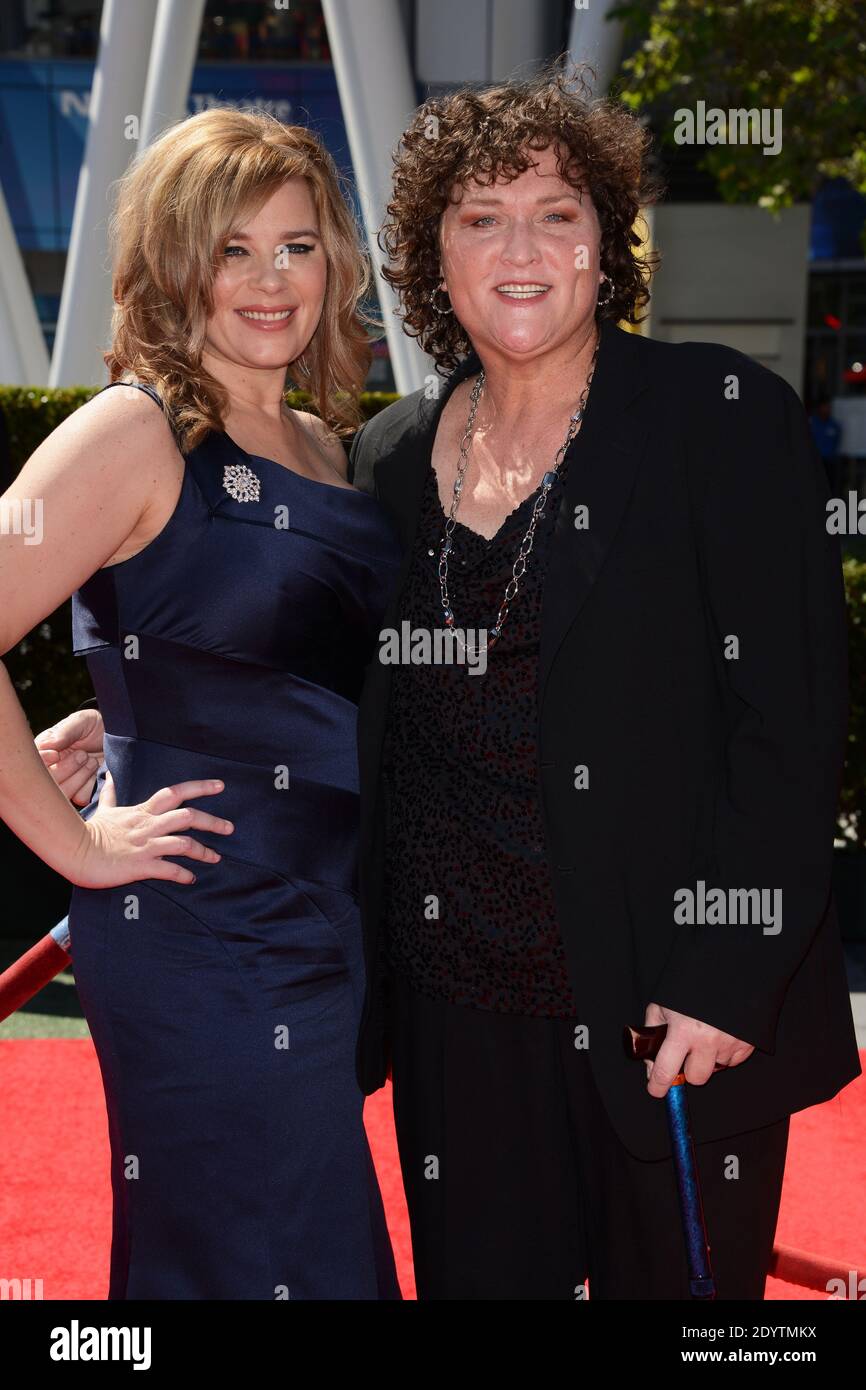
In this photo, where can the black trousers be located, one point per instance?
(519, 1188)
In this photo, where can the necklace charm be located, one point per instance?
(241, 483)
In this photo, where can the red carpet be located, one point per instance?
(55, 1194)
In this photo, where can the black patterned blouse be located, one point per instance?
(469, 911)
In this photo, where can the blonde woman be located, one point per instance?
(228, 587)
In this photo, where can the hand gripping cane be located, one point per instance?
(643, 1044)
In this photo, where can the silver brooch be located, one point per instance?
(241, 483)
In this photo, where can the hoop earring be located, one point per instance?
(435, 306)
(600, 303)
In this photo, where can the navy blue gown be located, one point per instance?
(225, 1012)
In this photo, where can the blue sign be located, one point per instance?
(43, 127)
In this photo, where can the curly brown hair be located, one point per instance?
(490, 133)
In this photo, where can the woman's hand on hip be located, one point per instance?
(124, 844)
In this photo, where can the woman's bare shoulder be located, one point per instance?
(115, 420)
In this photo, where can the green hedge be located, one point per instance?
(50, 682)
(32, 412)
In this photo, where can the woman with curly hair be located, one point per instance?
(643, 707)
(228, 587)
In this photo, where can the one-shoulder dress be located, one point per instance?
(225, 1012)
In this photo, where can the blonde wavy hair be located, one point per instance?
(176, 207)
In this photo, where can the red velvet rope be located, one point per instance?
(27, 975)
(813, 1271)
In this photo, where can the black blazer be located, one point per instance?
(706, 521)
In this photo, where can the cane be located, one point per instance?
(643, 1044)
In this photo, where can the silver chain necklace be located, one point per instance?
(550, 477)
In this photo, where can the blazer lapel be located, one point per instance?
(602, 467)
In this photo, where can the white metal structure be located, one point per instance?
(458, 42)
(597, 40)
(169, 73)
(374, 79)
(84, 321)
(23, 355)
